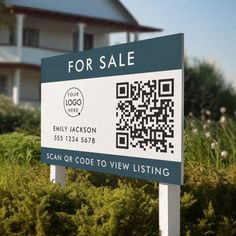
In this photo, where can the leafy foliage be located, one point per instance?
(33, 206)
(2, 11)
(5, 14)
(30, 205)
(209, 197)
(15, 118)
(209, 143)
(19, 148)
(97, 204)
(206, 89)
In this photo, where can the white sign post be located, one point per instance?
(169, 209)
(118, 110)
(57, 174)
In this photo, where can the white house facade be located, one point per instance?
(44, 28)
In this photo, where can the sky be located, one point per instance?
(209, 28)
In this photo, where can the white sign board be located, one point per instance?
(116, 110)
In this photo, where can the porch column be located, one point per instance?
(16, 87)
(19, 33)
(81, 27)
(128, 37)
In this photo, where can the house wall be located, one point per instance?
(30, 85)
(4, 35)
(6, 73)
(101, 40)
(54, 35)
(59, 35)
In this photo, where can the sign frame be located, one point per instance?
(161, 57)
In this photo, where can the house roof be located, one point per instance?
(105, 12)
(14, 65)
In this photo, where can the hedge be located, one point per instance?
(31, 205)
(19, 148)
(17, 118)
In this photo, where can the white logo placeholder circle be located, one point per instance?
(73, 102)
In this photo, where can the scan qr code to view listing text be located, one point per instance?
(145, 115)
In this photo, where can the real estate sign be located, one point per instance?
(116, 110)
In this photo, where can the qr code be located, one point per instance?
(145, 115)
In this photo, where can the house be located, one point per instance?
(44, 28)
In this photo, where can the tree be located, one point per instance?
(5, 14)
(2, 11)
(206, 89)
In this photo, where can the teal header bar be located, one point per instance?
(141, 168)
(158, 54)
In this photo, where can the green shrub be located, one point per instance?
(15, 118)
(30, 205)
(122, 211)
(29, 121)
(18, 148)
(100, 204)
(112, 181)
(209, 197)
(208, 143)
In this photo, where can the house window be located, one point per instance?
(88, 41)
(75, 42)
(31, 37)
(3, 84)
(12, 35)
